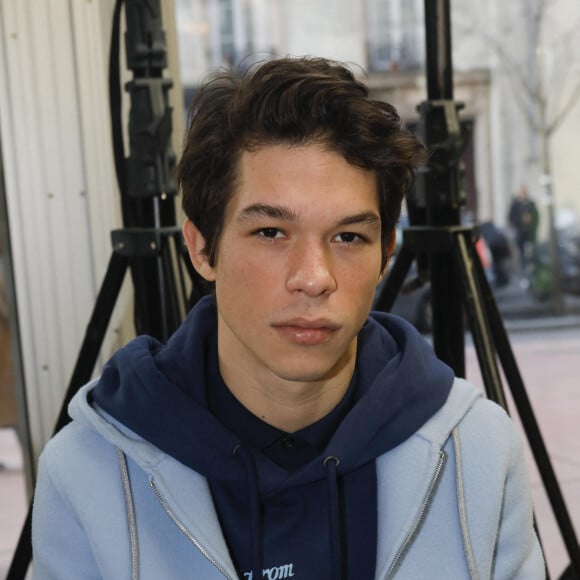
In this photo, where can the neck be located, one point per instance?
(285, 404)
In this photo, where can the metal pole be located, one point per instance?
(442, 195)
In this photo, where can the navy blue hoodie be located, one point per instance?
(320, 514)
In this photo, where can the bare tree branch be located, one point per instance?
(532, 89)
(502, 52)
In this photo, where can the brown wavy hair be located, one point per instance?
(294, 101)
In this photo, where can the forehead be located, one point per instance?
(303, 177)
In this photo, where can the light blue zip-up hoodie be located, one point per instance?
(453, 499)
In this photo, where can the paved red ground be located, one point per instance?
(549, 362)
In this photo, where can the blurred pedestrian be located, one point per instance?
(524, 218)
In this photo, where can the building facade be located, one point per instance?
(495, 56)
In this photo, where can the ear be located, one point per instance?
(195, 243)
(389, 252)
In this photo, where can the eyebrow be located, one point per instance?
(367, 217)
(269, 211)
(285, 214)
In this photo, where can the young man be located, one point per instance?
(283, 432)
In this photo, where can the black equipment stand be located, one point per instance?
(151, 247)
(447, 256)
(150, 244)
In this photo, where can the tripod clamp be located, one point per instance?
(143, 242)
(439, 182)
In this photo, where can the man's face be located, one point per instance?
(297, 265)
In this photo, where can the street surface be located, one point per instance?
(549, 362)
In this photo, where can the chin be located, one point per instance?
(316, 364)
(306, 373)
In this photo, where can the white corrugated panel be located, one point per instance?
(61, 192)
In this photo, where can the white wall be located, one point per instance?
(52, 124)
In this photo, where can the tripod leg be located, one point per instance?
(178, 245)
(478, 323)
(84, 367)
(163, 303)
(530, 425)
(175, 310)
(388, 293)
(448, 331)
(480, 329)
(96, 329)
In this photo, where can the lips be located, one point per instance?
(307, 332)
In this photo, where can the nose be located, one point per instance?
(311, 271)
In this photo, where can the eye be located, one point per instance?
(348, 238)
(269, 233)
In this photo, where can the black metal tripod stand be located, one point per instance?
(149, 245)
(446, 255)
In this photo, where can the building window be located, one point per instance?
(396, 34)
(225, 26)
(231, 26)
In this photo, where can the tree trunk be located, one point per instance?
(557, 297)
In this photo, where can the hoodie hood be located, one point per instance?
(158, 392)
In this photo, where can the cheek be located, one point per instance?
(362, 272)
(362, 285)
(241, 277)
(357, 286)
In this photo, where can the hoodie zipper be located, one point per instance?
(185, 531)
(130, 514)
(425, 504)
